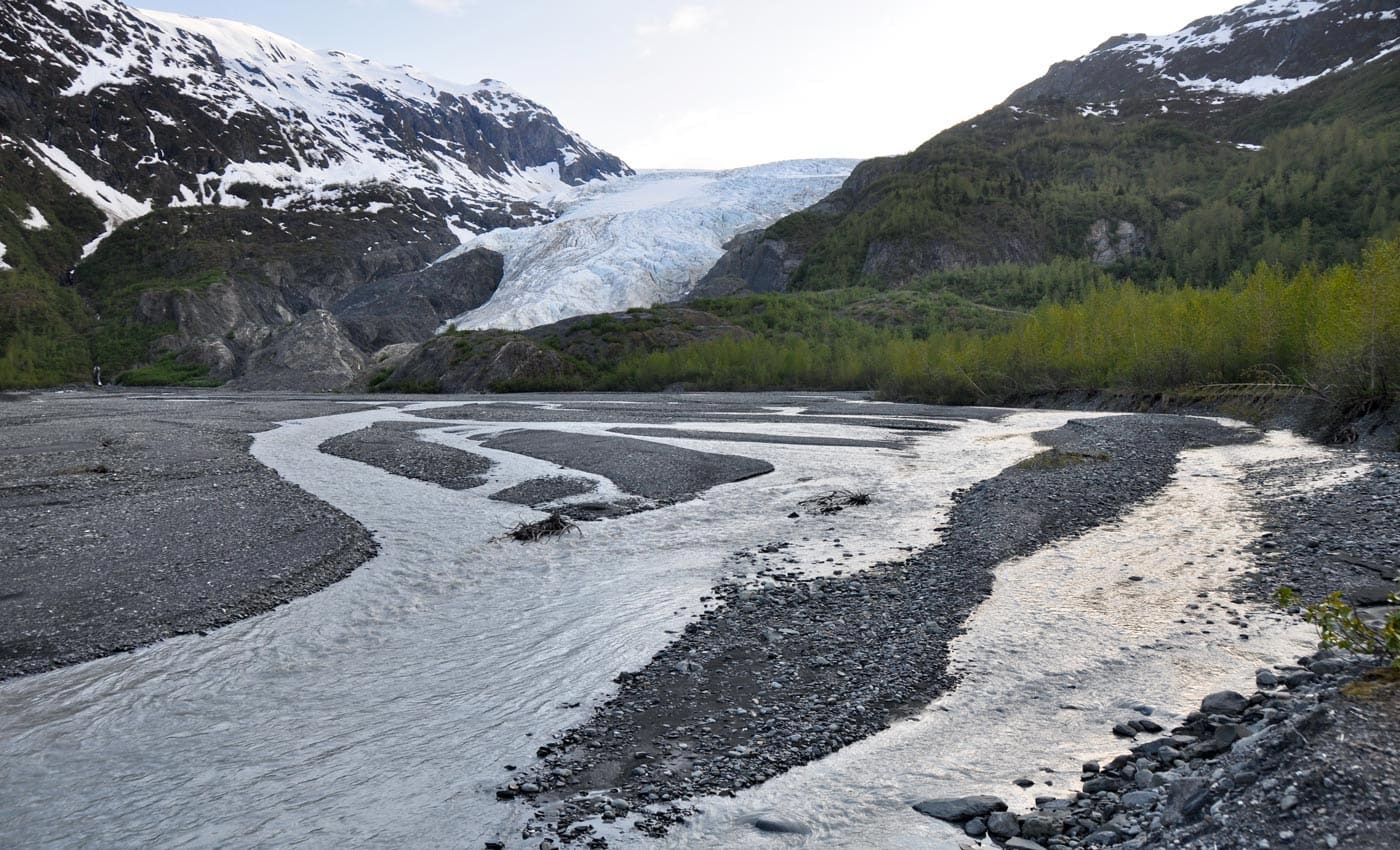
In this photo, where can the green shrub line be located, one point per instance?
(1333, 333)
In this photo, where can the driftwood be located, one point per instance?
(835, 501)
(551, 526)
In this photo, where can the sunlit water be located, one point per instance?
(382, 710)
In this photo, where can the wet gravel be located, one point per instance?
(641, 467)
(542, 491)
(125, 519)
(787, 670)
(1341, 538)
(394, 448)
(1310, 759)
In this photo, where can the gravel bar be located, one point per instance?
(399, 451)
(780, 675)
(641, 467)
(148, 518)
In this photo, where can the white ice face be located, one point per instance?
(638, 241)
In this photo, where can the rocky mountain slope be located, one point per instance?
(1143, 155)
(139, 110)
(254, 186)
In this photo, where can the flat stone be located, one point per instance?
(781, 826)
(1230, 733)
(1328, 666)
(1022, 844)
(959, 809)
(1036, 827)
(1139, 799)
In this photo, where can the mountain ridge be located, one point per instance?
(1088, 146)
(155, 109)
(213, 194)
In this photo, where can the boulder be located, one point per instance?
(959, 809)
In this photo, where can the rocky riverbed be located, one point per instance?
(771, 663)
(131, 518)
(1309, 759)
(789, 670)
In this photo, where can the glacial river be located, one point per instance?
(381, 712)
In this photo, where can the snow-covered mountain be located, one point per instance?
(1263, 48)
(138, 110)
(637, 241)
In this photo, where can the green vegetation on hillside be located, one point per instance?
(43, 325)
(1026, 186)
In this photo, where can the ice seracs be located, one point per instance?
(637, 241)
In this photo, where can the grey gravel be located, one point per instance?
(722, 708)
(393, 448)
(542, 491)
(148, 518)
(641, 467)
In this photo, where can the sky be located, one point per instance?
(726, 83)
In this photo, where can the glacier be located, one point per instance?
(638, 240)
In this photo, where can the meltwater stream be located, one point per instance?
(381, 711)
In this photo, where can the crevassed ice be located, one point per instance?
(637, 241)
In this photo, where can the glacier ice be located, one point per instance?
(639, 240)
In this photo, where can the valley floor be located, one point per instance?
(1018, 583)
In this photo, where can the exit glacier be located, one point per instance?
(638, 240)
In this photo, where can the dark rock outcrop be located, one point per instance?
(313, 353)
(410, 307)
(752, 263)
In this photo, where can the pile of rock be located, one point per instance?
(1167, 789)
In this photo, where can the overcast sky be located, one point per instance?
(722, 83)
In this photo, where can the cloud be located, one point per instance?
(686, 19)
(441, 7)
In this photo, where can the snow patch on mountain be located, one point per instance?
(34, 220)
(118, 206)
(332, 122)
(1257, 50)
(4, 266)
(637, 241)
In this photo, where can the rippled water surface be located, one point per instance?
(382, 710)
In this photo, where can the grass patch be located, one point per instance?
(168, 372)
(1060, 459)
(1382, 683)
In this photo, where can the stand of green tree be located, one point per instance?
(1332, 333)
